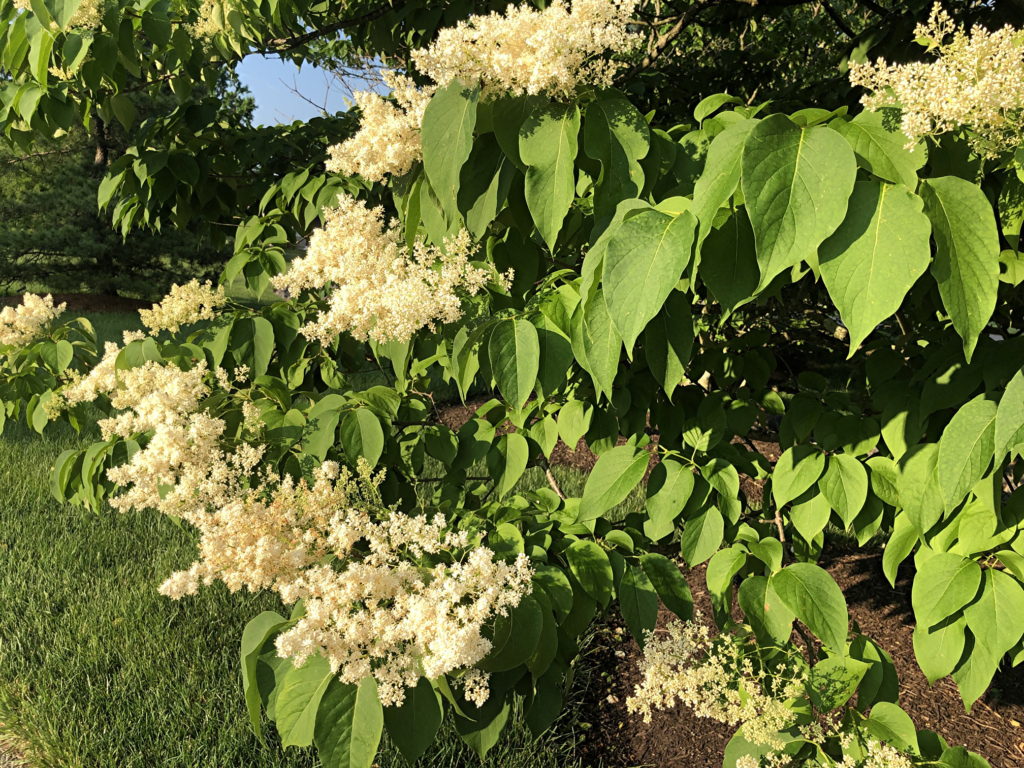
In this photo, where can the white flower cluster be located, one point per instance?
(373, 606)
(390, 595)
(531, 51)
(379, 290)
(184, 305)
(29, 320)
(876, 755)
(716, 679)
(977, 82)
(88, 14)
(524, 50)
(212, 19)
(388, 139)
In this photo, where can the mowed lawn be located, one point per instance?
(97, 670)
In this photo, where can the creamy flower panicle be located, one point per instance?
(685, 665)
(27, 322)
(388, 140)
(372, 605)
(88, 14)
(379, 289)
(184, 305)
(387, 595)
(977, 82)
(522, 51)
(530, 51)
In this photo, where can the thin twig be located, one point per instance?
(551, 478)
(839, 22)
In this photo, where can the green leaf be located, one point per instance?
(482, 736)
(669, 583)
(596, 343)
(702, 536)
(810, 593)
(447, 138)
(796, 183)
(548, 143)
(645, 258)
(592, 569)
(892, 725)
(124, 109)
(996, 618)
(62, 10)
(1009, 430)
(900, 544)
(939, 649)
(39, 55)
(975, 671)
(722, 569)
(769, 617)
(797, 469)
(966, 264)
(299, 699)
(668, 490)
(834, 680)
(252, 343)
(616, 473)
(362, 436)
(323, 419)
(845, 486)
(960, 757)
(945, 582)
(484, 185)
(810, 516)
(711, 104)
(514, 353)
(638, 602)
(876, 256)
(254, 637)
(881, 151)
(668, 341)
(728, 263)
(616, 135)
(514, 452)
(721, 175)
(349, 724)
(966, 448)
(515, 636)
(573, 422)
(918, 486)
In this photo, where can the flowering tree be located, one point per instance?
(509, 223)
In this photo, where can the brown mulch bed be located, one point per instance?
(678, 739)
(87, 302)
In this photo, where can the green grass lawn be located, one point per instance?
(97, 670)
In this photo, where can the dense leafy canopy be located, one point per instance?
(683, 281)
